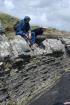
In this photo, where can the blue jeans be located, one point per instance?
(33, 39)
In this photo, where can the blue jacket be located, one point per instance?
(22, 28)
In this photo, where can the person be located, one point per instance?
(23, 29)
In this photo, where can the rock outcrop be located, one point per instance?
(25, 72)
(53, 45)
(18, 46)
(4, 48)
(66, 41)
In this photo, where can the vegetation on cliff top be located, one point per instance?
(9, 21)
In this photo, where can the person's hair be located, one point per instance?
(27, 18)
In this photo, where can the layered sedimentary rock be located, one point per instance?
(25, 72)
(66, 41)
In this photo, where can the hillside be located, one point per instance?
(53, 32)
(8, 22)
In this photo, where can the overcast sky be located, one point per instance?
(47, 13)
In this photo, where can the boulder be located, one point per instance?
(19, 47)
(49, 46)
(53, 45)
(4, 47)
(46, 45)
(66, 42)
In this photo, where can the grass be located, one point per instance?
(9, 21)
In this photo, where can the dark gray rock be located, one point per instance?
(26, 79)
(30, 71)
(66, 42)
(19, 47)
(4, 47)
(53, 45)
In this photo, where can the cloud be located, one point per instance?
(32, 3)
(50, 13)
(9, 4)
(39, 19)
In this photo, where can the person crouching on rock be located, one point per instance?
(23, 29)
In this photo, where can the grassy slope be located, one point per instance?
(8, 22)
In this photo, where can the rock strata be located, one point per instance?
(25, 72)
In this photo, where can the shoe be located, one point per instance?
(42, 46)
(35, 45)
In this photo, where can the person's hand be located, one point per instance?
(29, 34)
(26, 36)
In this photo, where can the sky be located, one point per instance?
(46, 13)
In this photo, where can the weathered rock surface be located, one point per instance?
(66, 41)
(21, 81)
(28, 74)
(53, 45)
(4, 47)
(18, 46)
(58, 93)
